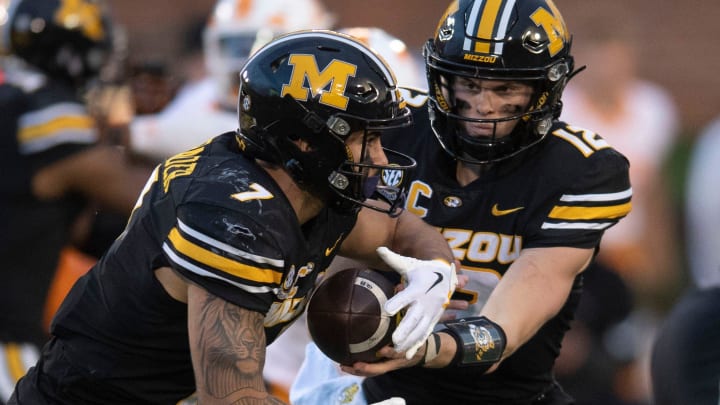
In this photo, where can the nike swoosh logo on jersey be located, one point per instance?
(331, 248)
(438, 281)
(498, 212)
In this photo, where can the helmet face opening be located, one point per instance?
(322, 87)
(524, 42)
(355, 182)
(484, 120)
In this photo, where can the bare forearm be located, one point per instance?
(228, 347)
(407, 235)
(416, 238)
(533, 291)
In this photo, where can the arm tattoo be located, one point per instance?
(228, 347)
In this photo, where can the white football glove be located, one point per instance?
(429, 285)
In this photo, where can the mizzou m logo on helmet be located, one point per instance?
(330, 83)
(553, 25)
(85, 15)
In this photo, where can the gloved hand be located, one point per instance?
(429, 285)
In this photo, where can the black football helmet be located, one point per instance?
(523, 40)
(321, 86)
(65, 39)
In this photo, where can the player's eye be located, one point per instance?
(472, 86)
(503, 90)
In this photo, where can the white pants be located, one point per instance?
(321, 381)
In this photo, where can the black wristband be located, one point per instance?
(480, 341)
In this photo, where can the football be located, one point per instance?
(345, 316)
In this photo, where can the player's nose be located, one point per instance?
(377, 154)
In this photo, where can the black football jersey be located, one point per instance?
(566, 191)
(41, 121)
(223, 223)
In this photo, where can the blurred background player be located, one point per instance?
(692, 376)
(234, 29)
(53, 162)
(207, 106)
(407, 65)
(124, 89)
(152, 87)
(702, 204)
